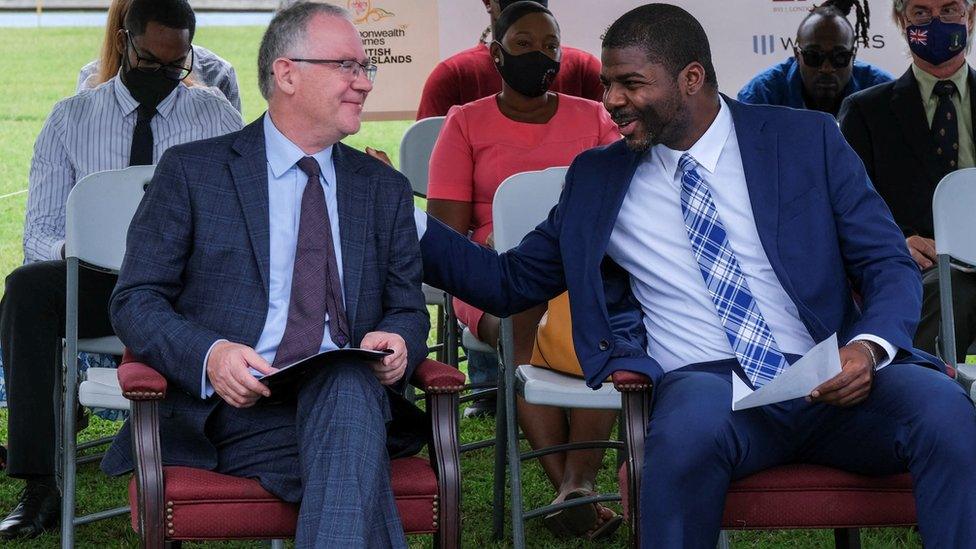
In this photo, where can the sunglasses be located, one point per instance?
(838, 58)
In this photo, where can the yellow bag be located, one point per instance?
(553, 346)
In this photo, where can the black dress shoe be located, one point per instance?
(38, 509)
(481, 408)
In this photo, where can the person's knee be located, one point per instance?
(27, 285)
(684, 446)
(945, 424)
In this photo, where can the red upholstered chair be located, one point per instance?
(781, 498)
(171, 504)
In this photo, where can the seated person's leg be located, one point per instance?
(328, 451)
(695, 447)
(916, 419)
(963, 309)
(31, 327)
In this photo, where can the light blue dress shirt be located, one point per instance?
(286, 184)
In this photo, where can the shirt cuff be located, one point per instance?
(206, 389)
(420, 219)
(56, 250)
(888, 347)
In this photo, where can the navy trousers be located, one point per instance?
(327, 450)
(916, 419)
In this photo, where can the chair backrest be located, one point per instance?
(415, 148)
(99, 210)
(952, 212)
(523, 201)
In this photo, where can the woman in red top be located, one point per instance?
(524, 128)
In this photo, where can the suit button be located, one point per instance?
(604, 345)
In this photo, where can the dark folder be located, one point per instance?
(285, 382)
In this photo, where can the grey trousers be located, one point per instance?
(327, 450)
(963, 312)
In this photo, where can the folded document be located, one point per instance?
(798, 380)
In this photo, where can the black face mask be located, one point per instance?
(530, 73)
(148, 88)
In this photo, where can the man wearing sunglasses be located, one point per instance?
(913, 131)
(129, 120)
(823, 69)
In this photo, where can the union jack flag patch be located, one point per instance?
(916, 36)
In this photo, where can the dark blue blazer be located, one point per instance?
(197, 261)
(826, 232)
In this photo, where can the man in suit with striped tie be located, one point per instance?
(720, 239)
(129, 120)
(265, 246)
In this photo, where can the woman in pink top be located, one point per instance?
(524, 128)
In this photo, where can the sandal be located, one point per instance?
(608, 520)
(573, 521)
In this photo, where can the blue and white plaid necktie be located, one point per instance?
(749, 335)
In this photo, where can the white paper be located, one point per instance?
(798, 380)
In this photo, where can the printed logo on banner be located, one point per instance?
(764, 44)
(364, 12)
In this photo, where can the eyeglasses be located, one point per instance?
(173, 71)
(839, 59)
(349, 68)
(949, 14)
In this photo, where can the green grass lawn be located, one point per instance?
(40, 67)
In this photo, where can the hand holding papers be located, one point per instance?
(817, 366)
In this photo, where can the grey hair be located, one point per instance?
(899, 5)
(286, 33)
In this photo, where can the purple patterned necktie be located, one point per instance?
(315, 287)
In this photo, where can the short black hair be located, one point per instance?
(514, 12)
(668, 35)
(502, 4)
(842, 8)
(175, 14)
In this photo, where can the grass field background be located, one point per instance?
(40, 67)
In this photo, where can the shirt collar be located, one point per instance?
(283, 154)
(127, 103)
(927, 82)
(707, 150)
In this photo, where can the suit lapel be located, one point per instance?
(250, 174)
(761, 168)
(909, 111)
(352, 196)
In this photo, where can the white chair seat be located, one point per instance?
(471, 343)
(101, 390)
(108, 345)
(433, 296)
(547, 387)
(966, 376)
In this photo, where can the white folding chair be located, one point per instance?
(955, 227)
(415, 149)
(522, 202)
(99, 210)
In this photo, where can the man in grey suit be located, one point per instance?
(268, 245)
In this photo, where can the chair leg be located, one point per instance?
(723, 540)
(173, 544)
(847, 538)
(512, 433)
(69, 405)
(277, 544)
(636, 411)
(501, 446)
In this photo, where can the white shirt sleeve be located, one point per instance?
(888, 347)
(206, 389)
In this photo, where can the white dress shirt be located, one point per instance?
(650, 242)
(92, 132)
(286, 184)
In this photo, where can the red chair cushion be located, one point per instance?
(203, 505)
(433, 375)
(813, 496)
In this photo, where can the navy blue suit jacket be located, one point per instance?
(825, 230)
(197, 261)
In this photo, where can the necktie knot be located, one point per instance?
(310, 166)
(145, 112)
(944, 88)
(687, 163)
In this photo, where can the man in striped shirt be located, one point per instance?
(131, 119)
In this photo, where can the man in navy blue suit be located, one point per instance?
(265, 246)
(721, 239)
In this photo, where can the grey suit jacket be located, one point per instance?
(196, 270)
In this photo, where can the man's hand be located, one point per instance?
(227, 369)
(393, 366)
(922, 250)
(853, 384)
(379, 155)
